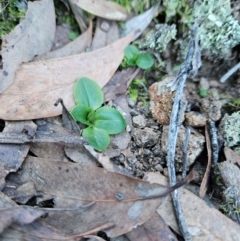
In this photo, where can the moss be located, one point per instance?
(137, 6)
(12, 12)
(65, 15)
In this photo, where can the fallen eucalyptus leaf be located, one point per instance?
(39, 84)
(33, 36)
(108, 197)
(102, 8)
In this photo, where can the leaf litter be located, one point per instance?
(24, 98)
(83, 198)
(33, 36)
(95, 196)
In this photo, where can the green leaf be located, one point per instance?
(88, 93)
(91, 116)
(144, 61)
(80, 113)
(133, 94)
(73, 35)
(131, 62)
(97, 138)
(203, 92)
(110, 120)
(131, 52)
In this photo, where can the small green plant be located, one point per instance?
(132, 57)
(203, 92)
(101, 121)
(138, 90)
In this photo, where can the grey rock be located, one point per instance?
(159, 168)
(195, 119)
(139, 121)
(145, 137)
(195, 146)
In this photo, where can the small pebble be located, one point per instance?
(139, 121)
(159, 168)
(195, 119)
(165, 172)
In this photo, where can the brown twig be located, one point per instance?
(203, 187)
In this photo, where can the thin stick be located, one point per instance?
(185, 148)
(230, 73)
(203, 187)
(214, 142)
(173, 132)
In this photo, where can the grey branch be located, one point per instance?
(41, 137)
(177, 110)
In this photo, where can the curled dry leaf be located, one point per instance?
(12, 155)
(33, 36)
(154, 229)
(79, 15)
(51, 151)
(25, 230)
(20, 215)
(97, 197)
(39, 84)
(102, 8)
(75, 47)
(139, 22)
(35, 231)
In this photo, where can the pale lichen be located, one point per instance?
(158, 38)
(218, 31)
(230, 128)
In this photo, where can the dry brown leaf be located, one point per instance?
(205, 223)
(102, 8)
(21, 194)
(153, 229)
(203, 187)
(33, 36)
(21, 215)
(11, 213)
(35, 231)
(231, 155)
(96, 196)
(12, 155)
(106, 33)
(117, 84)
(51, 151)
(75, 47)
(139, 22)
(39, 84)
(81, 155)
(79, 16)
(27, 232)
